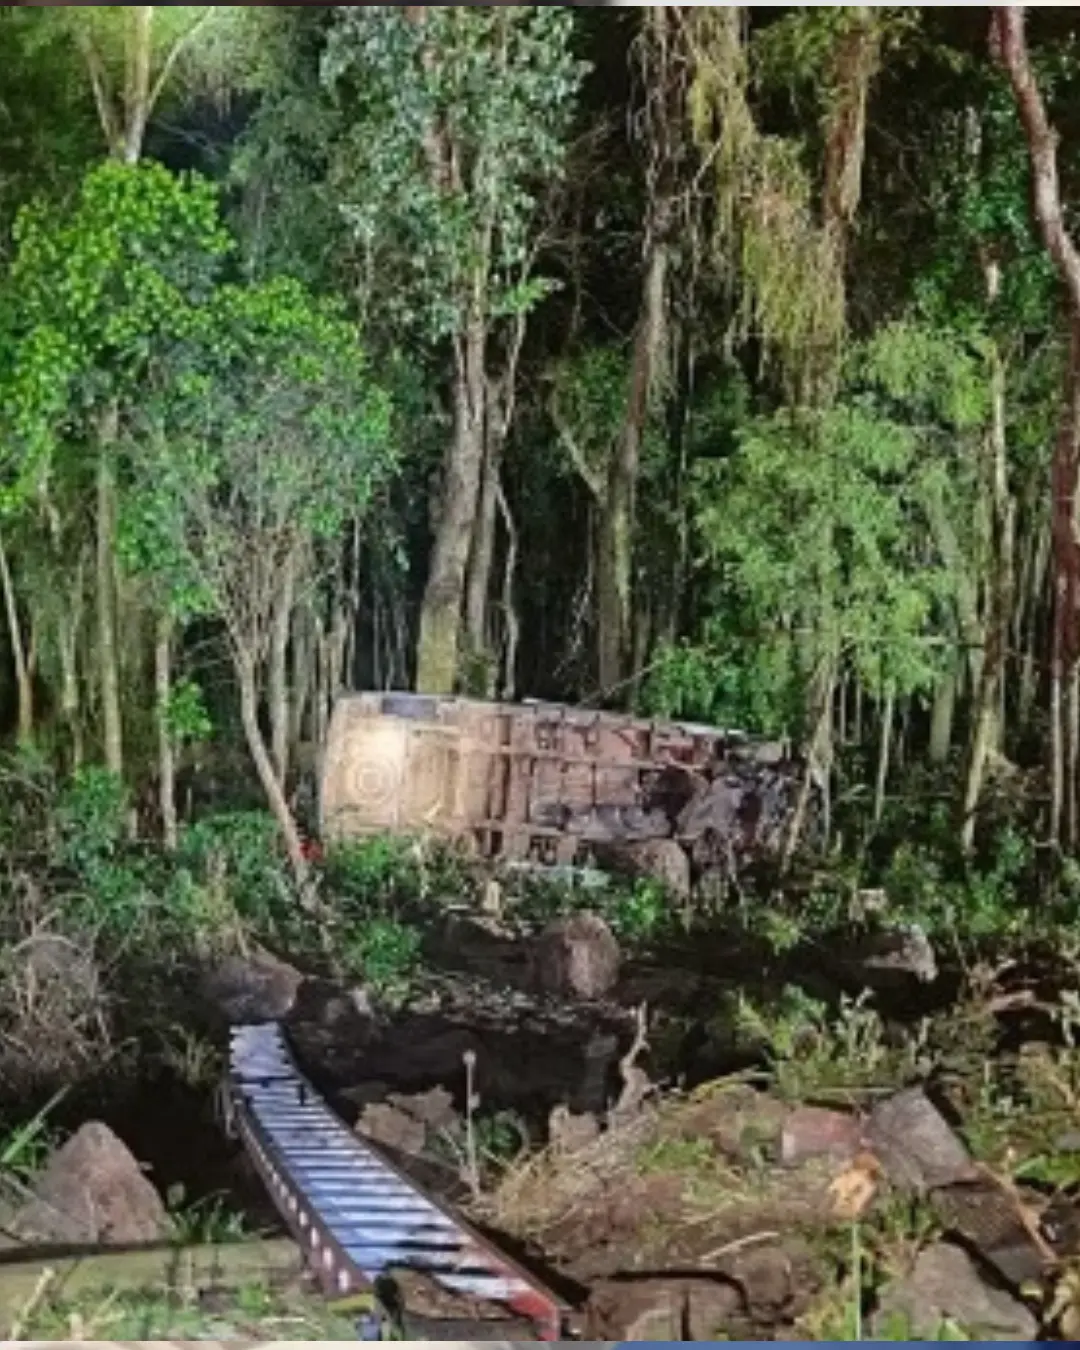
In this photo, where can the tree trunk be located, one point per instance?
(888, 715)
(271, 784)
(300, 648)
(943, 713)
(477, 632)
(818, 761)
(278, 672)
(108, 654)
(986, 714)
(166, 748)
(615, 570)
(24, 678)
(511, 623)
(1009, 43)
(438, 647)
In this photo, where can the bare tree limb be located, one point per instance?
(173, 55)
(1010, 46)
(593, 480)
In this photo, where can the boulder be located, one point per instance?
(816, 1132)
(944, 1285)
(93, 1191)
(395, 1129)
(667, 1308)
(576, 957)
(257, 988)
(665, 861)
(569, 1132)
(889, 959)
(914, 1143)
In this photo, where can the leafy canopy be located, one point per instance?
(263, 435)
(455, 125)
(94, 289)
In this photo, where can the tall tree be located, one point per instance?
(1009, 44)
(261, 438)
(457, 121)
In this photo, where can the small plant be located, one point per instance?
(809, 1050)
(641, 913)
(25, 1149)
(385, 953)
(203, 1222)
(91, 814)
(196, 1062)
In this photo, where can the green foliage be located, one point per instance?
(91, 816)
(378, 872)
(381, 889)
(209, 1220)
(264, 435)
(455, 125)
(811, 1049)
(383, 952)
(48, 133)
(237, 857)
(95, 288)
(25, 1148)
(844, 535)
(810, 526)
(972, 906)
(186, 717)
(727, 679)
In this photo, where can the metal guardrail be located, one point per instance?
(356, 1218)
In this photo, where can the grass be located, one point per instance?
(133, 917)
(205, 1221)
(253, 1312)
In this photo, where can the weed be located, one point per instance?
(810, 1050)
(255, 1313)
(675, 1155)
(641, 913)
(205, 1221)
(194, 1061)
(385, 953)
(24, 1151)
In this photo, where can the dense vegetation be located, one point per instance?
(719, 364)
(678, 360)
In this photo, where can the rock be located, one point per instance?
(767, 1278)
(434, 1109)
(944, 1283)
(478, 944)
(396, 1129)
(323, 1009)
(569, 1133)
(259, 988)
(93, 1191)
(888, 959)
(576, 957)
(366, 1094)
(665, 861)
(671, 1308)
(600, 1056)
(815, 1132)
(914, 1143)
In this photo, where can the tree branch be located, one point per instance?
(173, 54)
(1010, 47)
(99, 83)
(594, 481)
